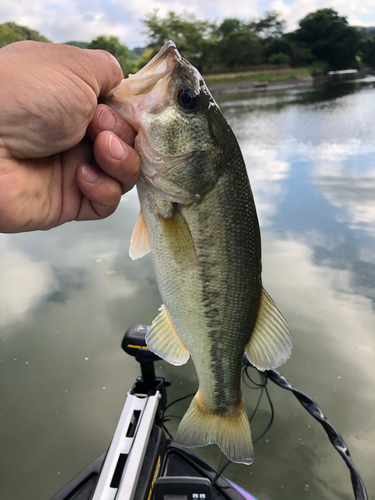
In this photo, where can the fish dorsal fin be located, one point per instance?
(140, 240)
(163, 340)
(271, 343)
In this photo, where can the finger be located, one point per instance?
(106, 118)
(101, 71)
(117, 159)
(101, 192)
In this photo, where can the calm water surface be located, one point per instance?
(68, 295)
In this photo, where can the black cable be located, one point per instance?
(178, 400)
(272, 413)
(333, 435)
(165, 418)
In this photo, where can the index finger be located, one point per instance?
(104, 71)
(106, 118)
(99, 69)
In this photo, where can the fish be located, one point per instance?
(198, 219)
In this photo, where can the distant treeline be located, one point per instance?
(323, 41)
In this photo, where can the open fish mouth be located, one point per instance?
(160, 66)
(146, 90)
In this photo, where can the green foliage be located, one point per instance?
(136, 53)
(230, 25)
(268, 27)
(241, 49)
(112, 44)
(11, 32)
(81, 45)
(366, 32)
(191, 35)
(146, 56)
(279, 58)
(368, 52)
(331, 39)
(299, 53)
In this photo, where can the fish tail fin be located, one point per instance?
(201, 426)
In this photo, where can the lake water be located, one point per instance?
(68, 295)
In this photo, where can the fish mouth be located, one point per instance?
(146, 90)
(159, 66)
(142, 82)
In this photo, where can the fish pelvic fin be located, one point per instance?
(140, 240)
(201, 426)
(163, 340)
(271, 342)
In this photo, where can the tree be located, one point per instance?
(331, 39)
(279, 58)
(81, 45)
(230, 25)
(191, 35)
(112, 44)
(268, 27)
(241, 49)
(368, 52)
(299, 53)
(11, 32)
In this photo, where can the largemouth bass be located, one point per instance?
(198, 217)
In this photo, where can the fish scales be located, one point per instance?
(199, 219)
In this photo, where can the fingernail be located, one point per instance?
(107, 120)
(89, 174)
(116, 149)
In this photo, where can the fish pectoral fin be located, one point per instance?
(163, 340)
(271, 343)
(201, 426)
(140, 240)
(179, 239)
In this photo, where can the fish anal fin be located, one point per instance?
(140, 240)
(229, 430)
(271, 343)
(163, 340)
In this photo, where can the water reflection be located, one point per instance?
(67, 296)
(23, 285)
(350, 186)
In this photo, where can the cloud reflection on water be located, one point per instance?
(24, 284)
(350, 186)
(265, 171)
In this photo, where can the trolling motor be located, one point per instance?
(134, 460)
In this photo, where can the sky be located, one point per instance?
(84, 20)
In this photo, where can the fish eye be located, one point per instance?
(188, 98)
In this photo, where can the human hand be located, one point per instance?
(51, 170)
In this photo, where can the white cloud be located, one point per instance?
(85, 20)
(358, 12)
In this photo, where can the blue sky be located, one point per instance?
(63, 20)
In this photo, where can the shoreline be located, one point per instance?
(254, 86)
